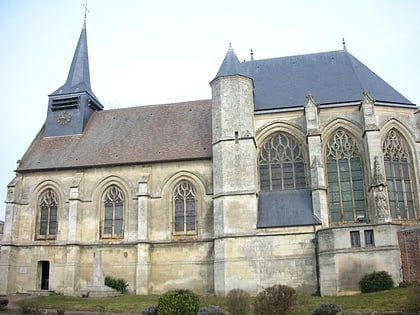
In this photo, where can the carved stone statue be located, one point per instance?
(379, 183)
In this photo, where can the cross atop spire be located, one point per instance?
(86, 10)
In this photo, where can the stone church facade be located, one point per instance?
(300, 170)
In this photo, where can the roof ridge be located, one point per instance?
(295, 56)
(157, 105)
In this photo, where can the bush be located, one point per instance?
(151, 310)
(327, 309)
(376, 281)
(275, 300)
(210, 310)
(180, 302)
(237, 302)
(117, 284)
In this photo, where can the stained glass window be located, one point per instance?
(48, 204)
(185, 208)
(398, 176)
(281, 163)
(345, 179)
(113, 213)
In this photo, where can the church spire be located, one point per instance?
(71, 106)
(78, 79)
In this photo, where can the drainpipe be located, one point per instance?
(315, 241)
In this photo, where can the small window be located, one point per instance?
(113, 217)
(47, 221)
(185, 203)
(355, 238)
(369, 239)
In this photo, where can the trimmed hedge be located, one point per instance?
(180, 302)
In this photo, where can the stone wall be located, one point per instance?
(342, 266)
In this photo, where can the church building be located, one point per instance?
(300, 170)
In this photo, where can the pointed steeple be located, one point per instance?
(71, 106)
(230, 65)
(78, 79)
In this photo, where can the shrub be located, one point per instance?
(327, 309)
(275, 300)
(151, 310)
(210, 310)
(376, 281)
(180, 302)
(237, 302)
(117, 284)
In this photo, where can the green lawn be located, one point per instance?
(394, 299)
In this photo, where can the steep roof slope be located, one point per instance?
(179, 131)
(331, 77)
(78, 78)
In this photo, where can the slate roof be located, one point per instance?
(331, 77)
(167, 132)
(230, 65)
(285, 208)
(78, 78)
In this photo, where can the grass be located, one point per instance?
(394, 299)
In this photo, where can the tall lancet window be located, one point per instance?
(47, 222)
(113, 217)
(345, 179)
(185, 212)
(281, 163)
(398, 176)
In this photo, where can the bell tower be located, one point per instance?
(70, 106)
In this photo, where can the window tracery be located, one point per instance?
(185, 202)
(47, 224)
(398, 176)
(113, 218)
(281, 163)
(345, 179)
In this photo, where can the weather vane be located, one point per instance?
(86, 9)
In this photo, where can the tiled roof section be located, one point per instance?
(179, 131)
(331, 77)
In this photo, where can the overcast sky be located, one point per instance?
(160, 51)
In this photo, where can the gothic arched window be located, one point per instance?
(47, 222)
(113, 217)
(398, 176)
(185, 212)
(281, 163)
(345, 179)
